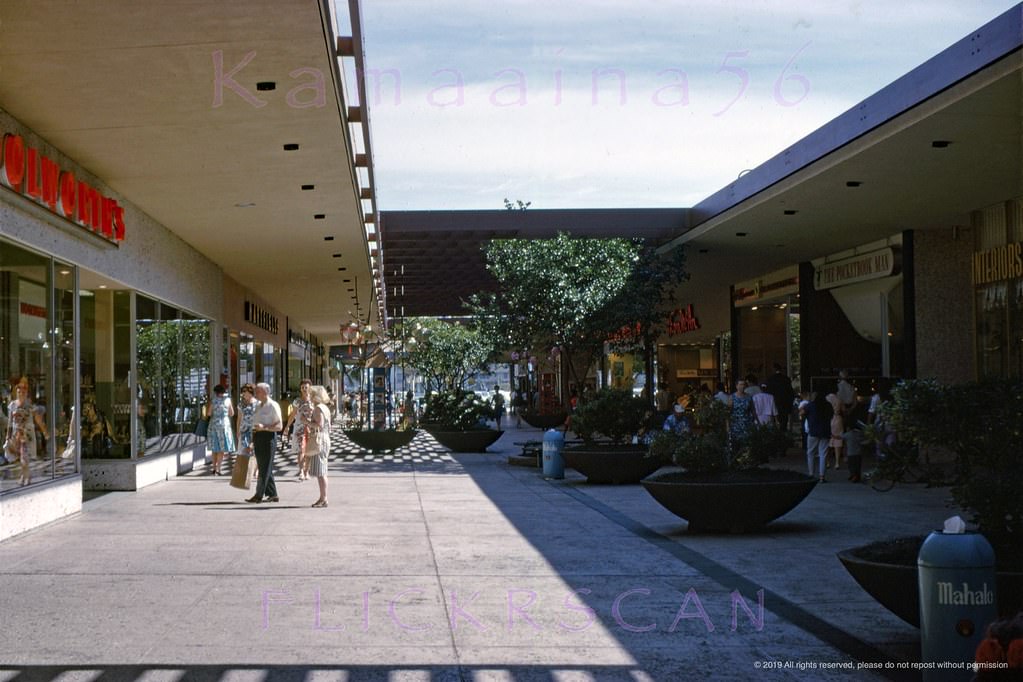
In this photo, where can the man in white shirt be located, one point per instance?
(763, 403)
(266, 422)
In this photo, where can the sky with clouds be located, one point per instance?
(600, 104)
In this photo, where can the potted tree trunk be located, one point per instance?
(724, 486)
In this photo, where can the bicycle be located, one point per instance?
(897, 463)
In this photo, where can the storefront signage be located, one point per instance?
(678, 322)
(861, 268)
(682, 320)
(34, 175)
(1001, 262)
(260, 317)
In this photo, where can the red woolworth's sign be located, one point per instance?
(679, 321)
(39, 178)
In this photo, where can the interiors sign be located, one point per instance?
(861, 268)
(1001, 262)
(34, 175)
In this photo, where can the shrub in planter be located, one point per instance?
(982, 423)
(612, 414)
(457, 410)
(725, 488)
(606, 423)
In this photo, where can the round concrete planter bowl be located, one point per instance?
(544, 421)
(610, 463)
(887, 571)
(381, 441)
(474, 440)
(729, 502)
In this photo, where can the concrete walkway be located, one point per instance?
(431, 566)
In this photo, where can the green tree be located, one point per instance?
(445, 352)
(552, 293)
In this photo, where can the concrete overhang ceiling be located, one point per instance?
(130, 90)
(890, 179)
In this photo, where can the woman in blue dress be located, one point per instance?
(246, 408)
(220, 434)
(742, 419)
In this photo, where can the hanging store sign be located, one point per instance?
(999, 263)
(260, 317)
(35, 176)
(861, 268)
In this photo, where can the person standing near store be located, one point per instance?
(742, 417)
(220, 434)
(22, 421)
(779, 385)
(498, 405)
(301, 413)
(818, 414)
(246, 408)
(318, 432)
(266, 422)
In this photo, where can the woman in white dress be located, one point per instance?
(317, 431)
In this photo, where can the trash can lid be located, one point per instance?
(956, 550)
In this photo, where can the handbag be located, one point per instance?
(11, 450)
(202, 427)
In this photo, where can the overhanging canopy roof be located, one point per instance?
(433, 260)
(141, 95)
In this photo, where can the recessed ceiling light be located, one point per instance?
(940, 144)
(347, 281)
(342, 269)
(704, 250)
(245, 204)
(336, 255)
(853, 183)
(290, 147)
(740, 234)
(320, 216)
(308, 187)
(790, 211)
(265, 86)
(328, 238)
(102, 286)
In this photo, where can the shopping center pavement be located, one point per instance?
(431, 566)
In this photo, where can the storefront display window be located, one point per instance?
(34, 408)
(269, 363)
(173, 350)
(998, 289)
(105, 372)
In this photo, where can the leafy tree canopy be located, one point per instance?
(445, 352)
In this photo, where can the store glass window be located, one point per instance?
(25, 361)
(66, 439)
(246, 360)
(194, 370)
(105, 371)
(269, 363)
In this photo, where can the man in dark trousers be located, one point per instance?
(266, 422)
(779, 385)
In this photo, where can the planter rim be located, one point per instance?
(663, 478)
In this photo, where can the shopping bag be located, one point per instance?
(240, 473)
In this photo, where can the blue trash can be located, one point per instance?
(553, 463)
(957, 601)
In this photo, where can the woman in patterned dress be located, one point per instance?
(743, 417)
(246, 408)
(220, 434)
(318, 432)
(23, 419)
(301, 413)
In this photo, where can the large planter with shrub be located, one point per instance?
(472, 440)
(988, 469)
(605, 463)
(887, 571)
(724, 487)
(385, 440)
(606, 423)
(729, 501)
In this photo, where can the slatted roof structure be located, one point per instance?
(433, 260)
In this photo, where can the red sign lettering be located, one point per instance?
(32, 174)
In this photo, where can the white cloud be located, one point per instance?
(574, 153)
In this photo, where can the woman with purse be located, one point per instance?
(317, 431)
(23, 419)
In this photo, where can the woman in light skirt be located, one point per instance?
(318, 440)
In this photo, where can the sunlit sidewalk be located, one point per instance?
(435, 566)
